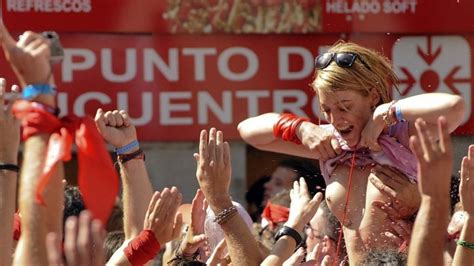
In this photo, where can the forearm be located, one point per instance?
(242, 245)
(428, 235)
(464, 255)
(282, 250)
(430, 106)
(31, 248)
(137, 192)
(258, 131)
(8, 181)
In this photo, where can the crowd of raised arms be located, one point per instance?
(380, 196)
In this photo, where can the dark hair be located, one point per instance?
(112, 242)
(254, 196)
(384, 257)
(73, 203)
(115, 222)
(306, 169)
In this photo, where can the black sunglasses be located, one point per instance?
(344, 60)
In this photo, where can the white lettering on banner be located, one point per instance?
(68, 66)
(371, 6)
(206, 102)
(295, 107)
(166, 107)
(147, 107)
(284, 54)
(252, 100)
(252, 63)
(50, 6)
(153, 61)
(151, 58)
(199, 62)
(130, 65)
(79, 105)
(172, 103)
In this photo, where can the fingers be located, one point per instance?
(376, 180)
(203, 147)
(53, 246)
(98, 238)
(218, 254)
(393, 238)
(177, 225)
(387, 208)
(110, 119)
(151, 207)
(295, 258)
(84, 238)
(220, 148)
(125, 118)
(212, 146)
(445, 139)
(100, 121)
(416, 147)
(70, 239)
(226, 157)
(15, 95)
(327, 261)
(425, 141)
(336, 146)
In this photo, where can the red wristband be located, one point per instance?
(285, 127)
(142, 248)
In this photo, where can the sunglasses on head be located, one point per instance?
(344, 60)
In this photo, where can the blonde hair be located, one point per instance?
(378, 76)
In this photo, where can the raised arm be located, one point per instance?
(29, 58)
(213, 174)
(116, 128)
(435, 162)
(318, 143)
(464, 254)
(302, 209)
(9, 143)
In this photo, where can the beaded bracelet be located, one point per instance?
(225, 215)
(465, 244)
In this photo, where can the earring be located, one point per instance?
(373, 108)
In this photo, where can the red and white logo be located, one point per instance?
(433, 64)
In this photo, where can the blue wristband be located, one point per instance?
(127, 148)
(33, 90)
(398, 114)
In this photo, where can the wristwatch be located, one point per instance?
(288, 231)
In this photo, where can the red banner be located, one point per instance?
(241, 16)
(174, 86)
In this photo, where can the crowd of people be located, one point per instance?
(380, 196)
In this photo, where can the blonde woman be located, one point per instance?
(353, 85)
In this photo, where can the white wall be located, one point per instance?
(172, 164)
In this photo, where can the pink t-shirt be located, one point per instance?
(395, 153)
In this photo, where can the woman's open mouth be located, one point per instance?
(345, 131)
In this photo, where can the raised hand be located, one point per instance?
(319, 141)
(214, 167)
(195, 237)
(115, 127)
(83, 242)
(403, 194)
(435, 161)
(466, 188)
(162, 216)
(302, 207)
(29, 57)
